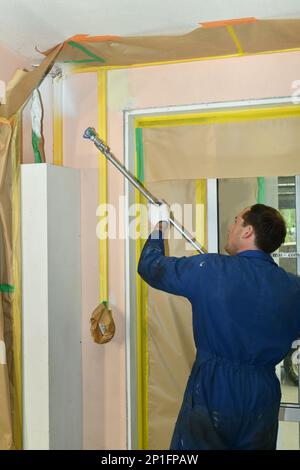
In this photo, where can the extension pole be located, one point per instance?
(91, 134)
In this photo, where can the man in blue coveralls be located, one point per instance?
(246, 314)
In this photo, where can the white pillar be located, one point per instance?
(51, 306)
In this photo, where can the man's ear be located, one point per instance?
(248, 231)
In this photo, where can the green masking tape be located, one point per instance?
(82, 61)
(140, 170)
(261, 195)
(7, 288)
(36, 149)
(86, 51)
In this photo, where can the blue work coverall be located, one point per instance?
(246, 314)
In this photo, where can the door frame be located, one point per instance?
(288, 411)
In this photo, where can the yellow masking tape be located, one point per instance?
(215, 117)
(102, 168)
(150, 64)
(86, 69)
(142, 343)
(235, 39)
(58, 121)
(16, 296)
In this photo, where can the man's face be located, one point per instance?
(235, 234)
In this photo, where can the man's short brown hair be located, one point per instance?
(269, 227)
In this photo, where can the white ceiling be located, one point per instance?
(25, 24)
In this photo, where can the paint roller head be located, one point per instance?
(90, 133)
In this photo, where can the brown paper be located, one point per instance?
(171, 348)
(6, 427)
(269, 35)
(253, 37)
(143, 49)
(102, 324)
(10, 333)
(266, 147)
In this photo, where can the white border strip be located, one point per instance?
(210, 106)
(212, 216)
(127, 286)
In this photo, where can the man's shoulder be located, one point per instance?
(211, 259)
(220, 261)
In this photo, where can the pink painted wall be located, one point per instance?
(215, 80)
(104, 375)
